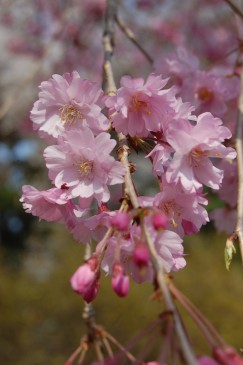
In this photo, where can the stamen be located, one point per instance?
(172, 211)
(70, 114)
(204, 94)
(196, 156)
(85, 168)
(174, 223)
(137, 105)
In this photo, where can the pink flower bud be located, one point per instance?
(121, 221)
(120, 283)
(227, 356)
(85, 280)
(90, 294)
(141, 255)
(205, 360)
(160, 221)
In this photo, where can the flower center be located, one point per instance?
(196, 156)
(137, 105)
(204, 94)
(70, 113)
(85, 168)
(171, 210)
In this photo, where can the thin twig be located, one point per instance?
(73, 356)
(170, 305)
(235, 8)
(122, 348)
(130, 35)
(98, 351)
(197, 316)
(82, 356)
(108, 45)
(107, 347)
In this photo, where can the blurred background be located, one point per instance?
(40, 316)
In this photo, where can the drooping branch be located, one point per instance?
(130, 35)
(235, 8)
(239, 149)
(108, 45)
(239, 144)
(123, 153)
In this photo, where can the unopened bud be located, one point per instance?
(141, 255)
(85, 280)
(120, 282)
(121, 221)
(160, 221)
(227, 356)
(206, 360)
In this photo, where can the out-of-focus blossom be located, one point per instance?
(206, 360)
(210, 92)
(194, 146)
(224, 219)
(229, 188)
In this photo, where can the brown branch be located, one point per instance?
(120, 347)
(170, 305)
(235, 8)
(108, 45)
(130, 35)
(239, 150)
(123, 152)
(205, 326)
(73, 356)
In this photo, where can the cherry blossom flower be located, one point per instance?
(194, 146)
(68, 102)
(93, 227)
(125, 246)
(210, 92)
(184, 211)
(178, 66)
(229, 189)
(161, 156)
(83, 163)
(169, 248)
(141, 107)
(224, 219)
(47, 204)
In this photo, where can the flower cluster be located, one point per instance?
(182, 147)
